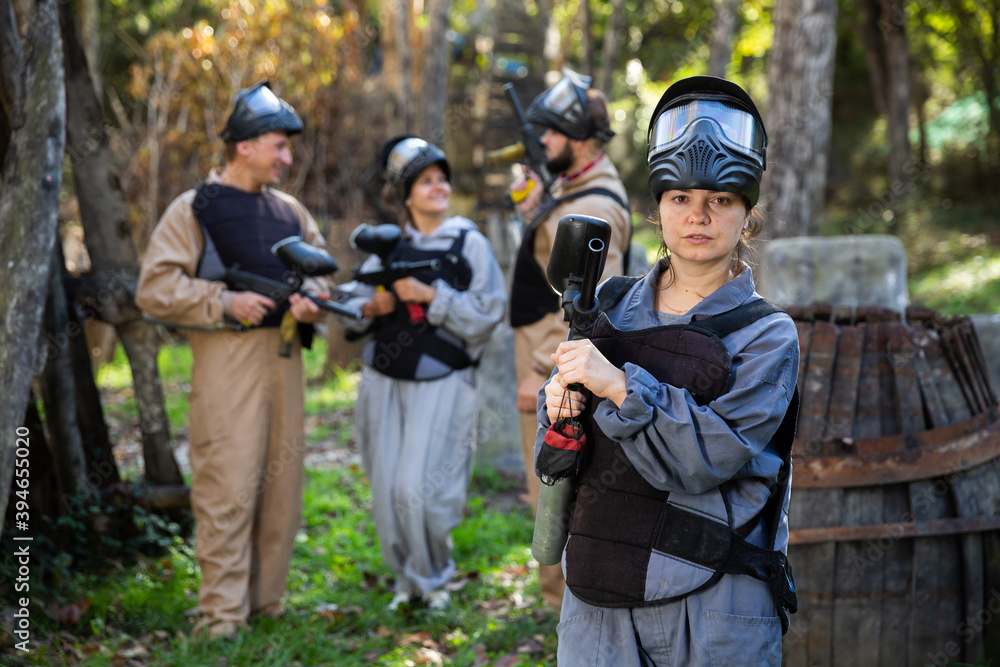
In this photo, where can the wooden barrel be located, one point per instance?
(895, 511)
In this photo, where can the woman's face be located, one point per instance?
(430, 192)
(701, 227)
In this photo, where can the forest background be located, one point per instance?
(884, 117)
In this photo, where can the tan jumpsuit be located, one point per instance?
(246, 423)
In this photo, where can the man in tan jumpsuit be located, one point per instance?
(246, 400)
(577, 126)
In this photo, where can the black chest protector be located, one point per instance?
(619, 519)
(400, 342)
(531, 296)
(239, 229)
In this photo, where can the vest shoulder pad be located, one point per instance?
(613, 289)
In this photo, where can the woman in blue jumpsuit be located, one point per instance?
(415, 417)
(684, 426)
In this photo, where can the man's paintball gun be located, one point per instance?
(381, 240)
(303, 261)
(575, 266)
(528, 147)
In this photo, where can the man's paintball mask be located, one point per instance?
(564, 108)
(258, 111)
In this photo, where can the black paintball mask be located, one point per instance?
(564, 108)
(706, 134)
(258, 111)
(405, 157)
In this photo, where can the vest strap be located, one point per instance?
(532, 297)
(694, 538)
(451, 355)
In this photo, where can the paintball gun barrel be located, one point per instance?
(529, 147)
(574, 269)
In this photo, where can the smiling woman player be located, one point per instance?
(678, 556)
(415, 417)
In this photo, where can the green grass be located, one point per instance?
(962, 287)
(337, 590)
(954, 257)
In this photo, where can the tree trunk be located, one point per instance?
(433, 89)
(586, 29)
(108, 234)
(102, 471)
(32, 178)
(800, 85)
(611, 47)
(90, 36)
(11, 83)
(887, 53)
(58, 386)
(44, 498)
(871, 10)
(898, 91)
(723, 34)
(403, 89)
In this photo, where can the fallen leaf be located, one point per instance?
(423, 637)
(529, 645)
(456, 585)
(133, 652)
(426, 656)
(368, 581)
(482, 658)
(71, 614)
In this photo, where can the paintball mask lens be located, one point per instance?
(262, 102)
(563, 107)
(564, 100)
(736, 128)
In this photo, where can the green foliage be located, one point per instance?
(954, 255)
(174, 362)
(338, 588)
(961, 287)
(88, 538)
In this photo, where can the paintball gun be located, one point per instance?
(381, 240)
(303, 261)
(575, 266)
(528, 147)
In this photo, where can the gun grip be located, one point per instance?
(518, 196)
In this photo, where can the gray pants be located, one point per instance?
(417, 442)
(730, 623)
